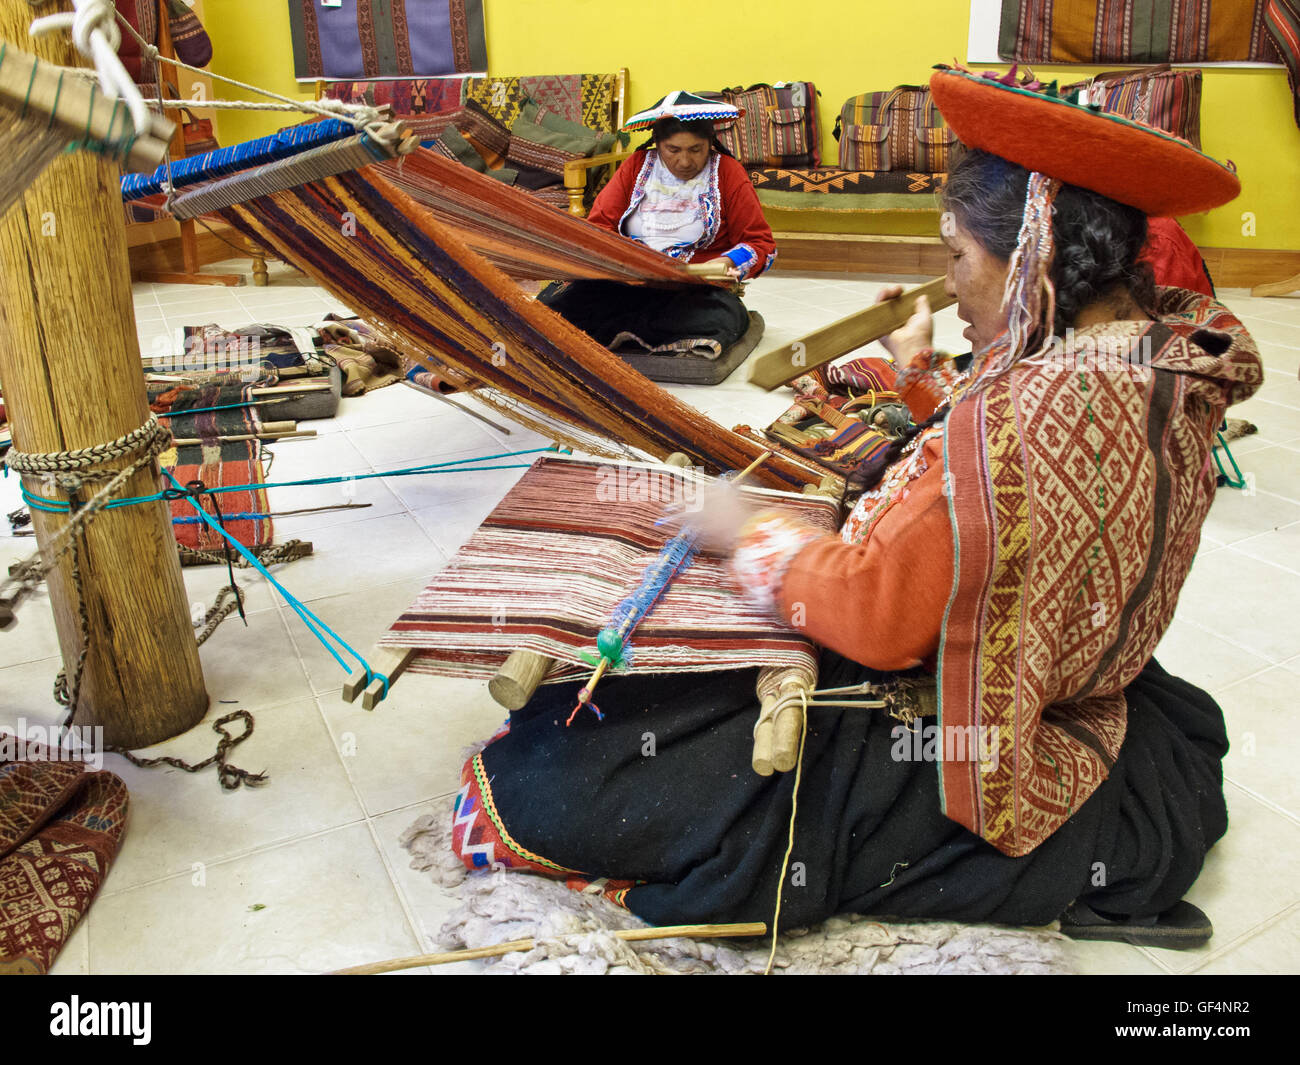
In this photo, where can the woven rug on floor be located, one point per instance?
(60, 829)
(499, 906)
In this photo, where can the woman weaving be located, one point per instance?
(684, 195)
(1024, 546)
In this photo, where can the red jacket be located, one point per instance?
(734, 225)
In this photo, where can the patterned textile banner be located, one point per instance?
(1134, 31)
(362, 39)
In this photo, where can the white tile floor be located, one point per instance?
(306, 874)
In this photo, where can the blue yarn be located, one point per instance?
(308, 618)
(286, 143)
(225, 517)
(674, 556)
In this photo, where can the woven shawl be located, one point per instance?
(443, 304)
(1076, 500)
(547, 568)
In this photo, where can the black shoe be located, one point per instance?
(1181, 927)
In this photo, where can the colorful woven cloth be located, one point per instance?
(1119, 31)
(60, 829)
(830, 189)
(1282, 17)
(216, 462)
(418, 280)
(584, 98)
(568, 544)
(387, 38)
(406, 96)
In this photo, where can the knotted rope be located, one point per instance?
(93, 27)
(72, 471)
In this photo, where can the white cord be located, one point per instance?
(95, 34)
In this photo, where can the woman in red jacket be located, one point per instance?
(684, 195)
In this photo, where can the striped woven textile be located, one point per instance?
(217, 462)
(547, 568)
(387, 38)
(402, 269)
(1120, 31)
(520, 235)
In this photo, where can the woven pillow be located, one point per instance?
(451, 142)
(572, 136)
(541, 143)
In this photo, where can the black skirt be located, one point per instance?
(661, 792)
(657, 316)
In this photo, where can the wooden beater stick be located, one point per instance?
(628, 935)
(801, 356)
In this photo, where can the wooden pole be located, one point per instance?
(70, 364)
(628, 935)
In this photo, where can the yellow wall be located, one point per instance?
(844, 46)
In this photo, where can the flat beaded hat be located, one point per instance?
(683, 105)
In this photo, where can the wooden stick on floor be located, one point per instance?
(629, 935)
(797, 358)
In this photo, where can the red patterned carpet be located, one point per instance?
(60, 829)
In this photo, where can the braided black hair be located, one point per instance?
(1097, 240)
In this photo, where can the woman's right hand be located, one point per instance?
(914, 336)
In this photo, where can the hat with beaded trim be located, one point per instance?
(1030, 124)
(685, 106)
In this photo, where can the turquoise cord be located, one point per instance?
(308, 618)
(409, 471)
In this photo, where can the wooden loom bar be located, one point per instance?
(628, 935)
(797, 358)
(776, 735)
(64, 282)
(74, 108)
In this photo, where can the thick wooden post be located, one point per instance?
(71, 372)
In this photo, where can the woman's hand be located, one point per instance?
(914, 336)
(733, 271)
(716, 516)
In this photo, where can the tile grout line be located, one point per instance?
(1263, 800)
(408, 909)
(1242, 939)
(1233, 643)
(249, 853)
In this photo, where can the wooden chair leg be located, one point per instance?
(261, 278)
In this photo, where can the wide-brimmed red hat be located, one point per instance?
(1124, 160)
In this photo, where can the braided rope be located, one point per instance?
(71, 470)
(230, 776)
(96, 455)
(268, 554)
